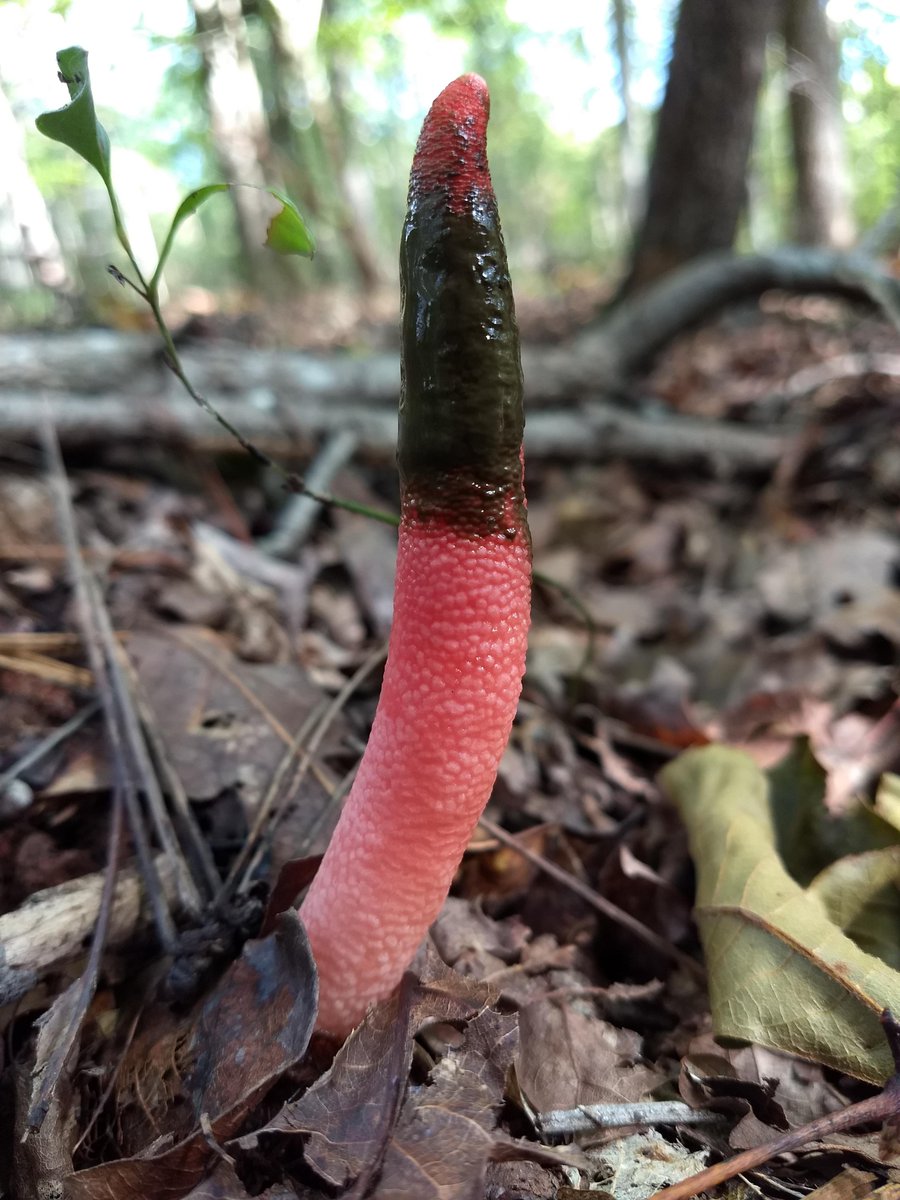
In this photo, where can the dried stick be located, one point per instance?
(600, 903)
(884, 1106)
(99, 659)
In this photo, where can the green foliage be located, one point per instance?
(873, 141)
(287, 233)
(76, 125)
(361, 77)
(347, 109)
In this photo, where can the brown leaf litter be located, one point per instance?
(564, 987)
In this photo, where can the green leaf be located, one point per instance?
(287, 233)
(796, 792)
(782, 972)
(186, 208)
(809, 837)
(76, 124)
(861, 894)
(887, 800)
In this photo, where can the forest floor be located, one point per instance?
(674, 610)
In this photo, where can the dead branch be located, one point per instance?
(102, 386)
(640, 327)
(50, 929)
(592, 429)
(98, 362)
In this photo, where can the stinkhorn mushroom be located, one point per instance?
(463, 585)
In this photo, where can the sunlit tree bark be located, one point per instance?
(238, 124)
(822, 212)
(308, 67)
(294, 136)
(629, 163)
(30, 252)
(697, 183)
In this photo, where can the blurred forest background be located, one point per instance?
(780, 124)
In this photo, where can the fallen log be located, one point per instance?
(99, 385)
(640, 327)
(590, 430)
(97, 361)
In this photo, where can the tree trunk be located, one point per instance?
(822, 212)
(697, 184)
(30, 252)
(629, 164)
(335, 125)
(292, 30)
(238, 126)
(296, 144)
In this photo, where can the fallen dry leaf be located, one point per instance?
(254, 1025)
(567, 1058)
(348, 1117)
(782, 972)
(851, 1184)
(225, 723)
(861, 894)
(224, 1184)
(887, 800)
(447, 1131)
(366, 1126)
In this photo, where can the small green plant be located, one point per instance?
(76, 126)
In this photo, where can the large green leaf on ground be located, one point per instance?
(887, 799)
(861, 894)
(807, 836)
(782, 970)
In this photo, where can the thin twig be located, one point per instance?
(251, 841)
(98, 657)
(876, 1109)
(49, 743)
(591, 626)
(842, 366)
(47, 669)
(872, 1111)
(111, 1082)
(43, 643)
(137, 749)
(86, 985)
(600, 903)
(120, 675)
(195, 844)
(293, 481)
(246, 862)
(589, 1117)
(297, 517)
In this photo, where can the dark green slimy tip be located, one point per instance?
(461, 411)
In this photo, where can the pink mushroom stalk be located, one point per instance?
(463, 587)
